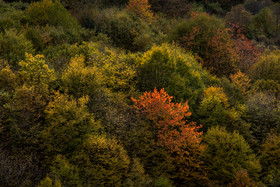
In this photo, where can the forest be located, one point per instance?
(135, 93)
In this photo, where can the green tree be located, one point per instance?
(226, 153)
(215, 109)
(13, 46)
(270, 160)
(67, 124)
(270, 87)
(102, 161)
(263, 24)
(239, 16)
(177, 72)
(80, 80)
(64, 173)
(263, 114)
(267, 67)
(51, 13)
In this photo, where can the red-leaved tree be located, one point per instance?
(180, 137)
(248, 52)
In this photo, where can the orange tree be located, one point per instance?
(179, 137)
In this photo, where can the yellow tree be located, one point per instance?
(141, 8)
(242, 81)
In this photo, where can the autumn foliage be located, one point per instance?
(174, 132)
(222, 50)
(248, 52)
(140, 8)
(241, 81)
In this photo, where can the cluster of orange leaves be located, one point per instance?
(174, 132)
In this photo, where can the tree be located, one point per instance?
(207, 37)
(140, 8)
(181, 139)
(239, 16)
(80, 80)
(63, 172)
(226, 153)
(225, 4)
(270, 159)
(67, 125)
(102, 161)
(13, 46)
(270, 87)
(242, 81)
(173, 8)
(242, 179)
(51, 13)
(263, 24)
(263, 114)
(177, 72)
(215, 109)
(34, 71)
(247, 51)
(137, 176)
(267, 67)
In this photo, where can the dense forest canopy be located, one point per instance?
(140, 93)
